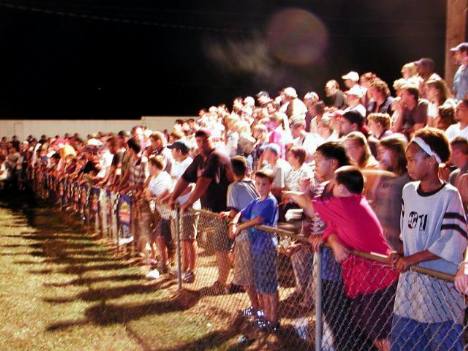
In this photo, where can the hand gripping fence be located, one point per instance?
(359, 304)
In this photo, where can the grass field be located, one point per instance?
(63, 289)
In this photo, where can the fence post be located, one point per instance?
(179, 256)
(318, 301)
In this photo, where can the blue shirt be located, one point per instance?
(460, 82)
(267, 209)
(240, 194)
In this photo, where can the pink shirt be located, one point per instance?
(276, 137)
(353, 221)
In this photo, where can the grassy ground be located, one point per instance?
(61, 288)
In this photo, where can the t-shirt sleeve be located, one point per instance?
(212, 168)
(246, 212)
(329, 210)
(453, 232)
(268, 212)
(329, 230)
(402, 217)
(231, 202)
(190, 174)
(332, 212)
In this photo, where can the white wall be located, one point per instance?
(23, 128)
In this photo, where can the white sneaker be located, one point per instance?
(125, 241)
(153, 274)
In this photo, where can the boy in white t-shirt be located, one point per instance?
(189, 221)
(160, 184)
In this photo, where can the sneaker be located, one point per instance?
(267, 326)
(249, 312)
(188, 277)
(273, 327)
(261, 323)
(259, 314)
(153, 274)
(125, 241)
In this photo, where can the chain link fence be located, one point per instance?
(272, 274)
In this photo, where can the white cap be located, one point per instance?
(94, 142)
(290, 92)
(356, 90)
(311, 95)
(250, 101)
(354, 76)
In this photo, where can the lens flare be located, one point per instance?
(296, 36)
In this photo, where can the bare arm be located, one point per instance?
(179, 188)
(302, 200)
(403, 263)
(200, 188)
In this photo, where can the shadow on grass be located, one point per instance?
(107, 314)
(113, 293)
(87, 281)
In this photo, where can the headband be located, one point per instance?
(426, 148)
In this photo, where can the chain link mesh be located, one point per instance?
(362, 304)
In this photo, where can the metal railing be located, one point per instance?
(373, 312)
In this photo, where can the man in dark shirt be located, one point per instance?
(334, 96)
(212, 173)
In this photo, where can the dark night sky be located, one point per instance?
(66, 59)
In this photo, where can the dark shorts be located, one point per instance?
(265, 271)
(408, 334)
(373, 312)
(164, 229)
(344, 334)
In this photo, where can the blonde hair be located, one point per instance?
(362, 141)
(411, 68)
(383, 119)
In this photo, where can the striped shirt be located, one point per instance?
(137, 174)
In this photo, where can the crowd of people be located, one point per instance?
(372, 172)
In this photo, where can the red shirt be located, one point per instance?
(353, 221)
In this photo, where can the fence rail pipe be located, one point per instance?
(318, 302)
(179, 256)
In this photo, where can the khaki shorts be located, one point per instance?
(188, 226)
(243, 274)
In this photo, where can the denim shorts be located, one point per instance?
(265, 271)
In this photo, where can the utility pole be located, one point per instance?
(456, 30)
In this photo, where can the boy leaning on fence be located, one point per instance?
(160, 184)
(352, 225)
(429, 312)
(239, 195)
(262, 211)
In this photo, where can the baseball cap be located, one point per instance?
(352, 75)
(290, 92)
(425, 61)
(460, 47)
(179, 145)
(355, 90)
(311, 95)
